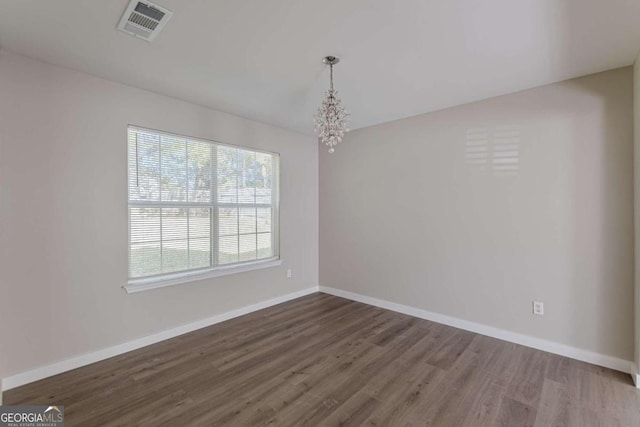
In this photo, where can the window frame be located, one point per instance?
(138, 284)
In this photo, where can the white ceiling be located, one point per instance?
(261, 59)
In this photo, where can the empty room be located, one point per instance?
(320, 213)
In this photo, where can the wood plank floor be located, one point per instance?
(324, 360)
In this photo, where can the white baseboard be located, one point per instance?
(526, 340)
(635, 374)
(540, 344)
(96, 356)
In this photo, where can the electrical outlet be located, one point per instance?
(289, 274)
(538, 308)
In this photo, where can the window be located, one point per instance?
(197, 207)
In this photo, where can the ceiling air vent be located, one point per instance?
(144, 19)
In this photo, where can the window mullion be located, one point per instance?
(237, 163)
(213, 208)
(137, 165)
(160, 197)
(186, 165)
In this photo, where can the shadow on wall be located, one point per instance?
(603, 187)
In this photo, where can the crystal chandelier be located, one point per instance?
(331, 118)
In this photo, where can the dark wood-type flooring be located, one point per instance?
(324, 360)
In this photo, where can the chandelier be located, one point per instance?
(331, 118)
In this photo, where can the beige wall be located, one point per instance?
(636, 169)
(409, 214)
(63, 214)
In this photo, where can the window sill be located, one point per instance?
(145, 284)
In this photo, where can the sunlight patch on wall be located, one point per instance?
(493, 150)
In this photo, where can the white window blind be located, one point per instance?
(196, 205)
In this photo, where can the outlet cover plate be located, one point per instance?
(538, 308)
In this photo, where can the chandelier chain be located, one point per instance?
(330, 76)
